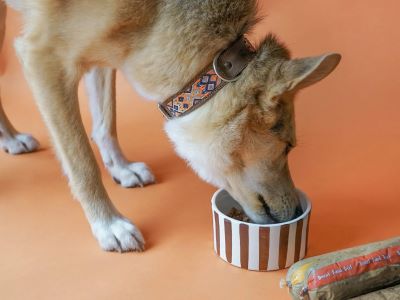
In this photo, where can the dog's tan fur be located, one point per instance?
(239, 140)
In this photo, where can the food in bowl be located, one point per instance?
(239, 215)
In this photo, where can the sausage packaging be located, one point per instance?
(345, 274)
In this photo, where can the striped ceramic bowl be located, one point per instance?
(257, 247)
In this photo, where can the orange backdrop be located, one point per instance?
(347, 161)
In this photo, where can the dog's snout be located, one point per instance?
(283, 211)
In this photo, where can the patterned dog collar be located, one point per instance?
(226, 67)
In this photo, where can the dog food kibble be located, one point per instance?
(239, 215)
(346, 274)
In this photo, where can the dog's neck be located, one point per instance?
(226, 67)
(157, 72)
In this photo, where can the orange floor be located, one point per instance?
(347, 161)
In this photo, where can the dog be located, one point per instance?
(239, 139)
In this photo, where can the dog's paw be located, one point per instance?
(119, 235)
(132, 174)
(19, 143)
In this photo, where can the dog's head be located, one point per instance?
(240, 141)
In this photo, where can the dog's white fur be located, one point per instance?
(238, 141)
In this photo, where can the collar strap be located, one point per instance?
(226, 67)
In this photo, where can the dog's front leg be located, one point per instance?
(54, 85)
(100, 83)
(11, 140)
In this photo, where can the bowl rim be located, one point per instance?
(301, 217)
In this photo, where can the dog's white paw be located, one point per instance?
(131, 175)
(119, 235)
(19, 143)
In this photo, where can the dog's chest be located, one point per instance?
(200, 151)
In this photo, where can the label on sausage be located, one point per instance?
(354, 267)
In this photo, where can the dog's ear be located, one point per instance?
(300, 73)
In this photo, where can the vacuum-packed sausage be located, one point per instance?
(347, 273)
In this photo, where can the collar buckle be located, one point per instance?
(229, 63)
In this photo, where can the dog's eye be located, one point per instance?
(278, 127)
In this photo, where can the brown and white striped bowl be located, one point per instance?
(258, 247)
